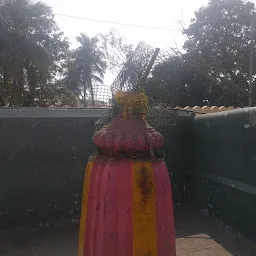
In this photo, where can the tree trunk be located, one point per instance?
(2, 103)
(92, 94)
(32, 82)
(84, 100)
(17, 90)
(32, 93)
(5, 78)
(21, 82)
(5, 85)
(14, 95)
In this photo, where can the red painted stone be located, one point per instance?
(128, 136)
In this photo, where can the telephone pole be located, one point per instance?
(252, 28)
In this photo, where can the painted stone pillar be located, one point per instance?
(127, 207)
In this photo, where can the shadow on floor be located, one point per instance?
(60, 239)
(196, 236)
(196, 230)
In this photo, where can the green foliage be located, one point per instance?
(175, 82)
(32, 48)
(214, 70)
(37, 67)
(219, 44)
(56, 95)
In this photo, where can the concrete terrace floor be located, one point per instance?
(197, 235)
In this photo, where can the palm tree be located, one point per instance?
(87, 67)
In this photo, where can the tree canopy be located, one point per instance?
(32, 48)
(215, 66)
(220, 37)
(38, 68)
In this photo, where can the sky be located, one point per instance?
(166, 14)
(161, 13)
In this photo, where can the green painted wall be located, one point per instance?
(224, 167)
(177, 155)
(42, 164)
(43, 154)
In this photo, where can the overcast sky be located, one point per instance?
(161, 13)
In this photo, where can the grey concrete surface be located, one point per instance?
(197, 235)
